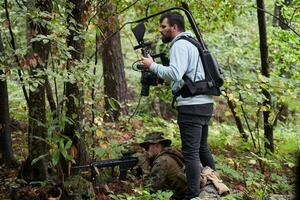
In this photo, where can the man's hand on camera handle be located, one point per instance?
(147, 61)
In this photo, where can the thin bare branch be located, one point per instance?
(14, 48)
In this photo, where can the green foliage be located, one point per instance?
(261, 175)
(259, 185)
(230, 30)
(41, 183)
(17, 105)
(142, 194)
(230, 172)
(280, 183)
(153, 124)
(38, 158)
(233, 197)
(107, 147)
(61, 144)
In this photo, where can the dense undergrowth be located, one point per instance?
(230, 30)
(250, 174)
(249, 171)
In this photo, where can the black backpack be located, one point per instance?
(213, 75)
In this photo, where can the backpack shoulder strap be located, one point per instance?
(200, 50)
(191, 40)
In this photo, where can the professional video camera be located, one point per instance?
(148, 78)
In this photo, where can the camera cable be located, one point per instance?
(136, 108)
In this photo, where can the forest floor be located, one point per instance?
(239, 172)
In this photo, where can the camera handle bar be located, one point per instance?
(188, 15)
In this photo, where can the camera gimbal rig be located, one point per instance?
(213, 81)
(148, 78)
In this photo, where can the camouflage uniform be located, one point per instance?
(167, 172)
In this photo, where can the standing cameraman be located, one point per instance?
(194, 112)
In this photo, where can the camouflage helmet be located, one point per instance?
(155, 137)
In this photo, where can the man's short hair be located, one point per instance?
(174, 18)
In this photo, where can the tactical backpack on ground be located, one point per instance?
(213, 76)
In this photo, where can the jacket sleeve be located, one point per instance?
(178, 63)
(158, 175)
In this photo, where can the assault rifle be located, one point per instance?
(126, 162)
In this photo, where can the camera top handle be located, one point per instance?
(188, 15)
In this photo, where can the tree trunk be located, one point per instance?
(298, 178)
(50, 98)
(284, 109)
(283, 21)
(73, 109)
(115, 87)
(268, 128)
(6, 151)
(276, 14)
(237, 119)
(279, 18)
(71, 89)
(37, 131)
(13, 45)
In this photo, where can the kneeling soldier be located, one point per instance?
(167, 165)
(166, 169)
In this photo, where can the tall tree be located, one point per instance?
(76, 19)
(13, 45)
(6, 151)
(115, 87)
(237, 119)
(50, 98)
(38, 58)
(268, 127)
(279, 18)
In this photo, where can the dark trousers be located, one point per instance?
(194, 133)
